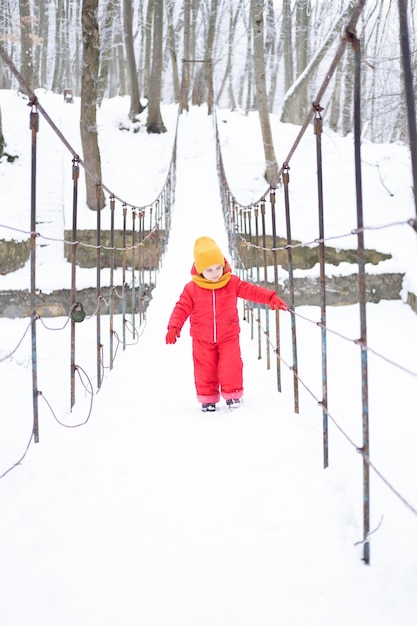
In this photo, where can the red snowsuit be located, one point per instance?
(214, 328)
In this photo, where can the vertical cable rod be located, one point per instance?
(286, 180)
(98, 285)
(74, 250)
(318, 130)
(34, 127)
(362, 298)
(124, 278)
(275, 258)
(111, 311)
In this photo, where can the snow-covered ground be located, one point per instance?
(152, 512)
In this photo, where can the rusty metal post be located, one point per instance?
(111, 311)
(258, 306)
(34, 127)
(362, 299)
(124, 278)
(275, 258)
(75, 179)
(265, 281)
(286, 180)
(318, 128)
(141, 263)
(133, 292)
(98, 286)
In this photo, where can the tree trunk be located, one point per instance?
(302, 48)
(185, 83)
(292, 104)
(135, 105)
(44, 34)
(154, 122)
(89, 79)
(147, 38)
(173, 51)
(286, 32)
(106, 49)
(272, 169)
(26, 58)
(201, 87)
(2, 142)
(62, 73)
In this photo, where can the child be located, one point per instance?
(210, 301)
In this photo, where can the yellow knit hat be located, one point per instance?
(206, 253)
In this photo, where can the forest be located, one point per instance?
(236, 54)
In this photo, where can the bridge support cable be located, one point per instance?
(362, 297)
(34, 127)
(291, 308)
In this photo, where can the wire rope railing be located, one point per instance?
(134, 253)
(254, 242)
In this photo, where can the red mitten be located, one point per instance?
(172, 335)
(277, 303)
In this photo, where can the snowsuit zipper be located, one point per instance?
(214, 317)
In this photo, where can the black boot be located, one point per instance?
(208, 407)
(233, 404)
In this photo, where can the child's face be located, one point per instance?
(213, 272)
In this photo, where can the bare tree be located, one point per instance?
(203, 75)
(173, 49)
(185, 82)
(135, 105)
(106, 48)
(154, 122)
(89, 80)
(286, 34)
(26, 49)
(294, 104)
(2, 141)
(262, 105)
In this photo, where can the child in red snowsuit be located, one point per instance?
(210, 301)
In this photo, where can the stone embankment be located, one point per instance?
(340, 289)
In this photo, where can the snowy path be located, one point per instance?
(159, 515)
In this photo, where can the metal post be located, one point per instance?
(34, 127)
(75, 178)
(98, 287)
(286, 180)
(362, 299)
(124, 278)
(258, 306)
(318, 127)
(267, 333)
(111, 312)
(133, 272)
(274, 254)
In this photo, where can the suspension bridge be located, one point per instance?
(137, 394)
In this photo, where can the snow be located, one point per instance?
(151, 512)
